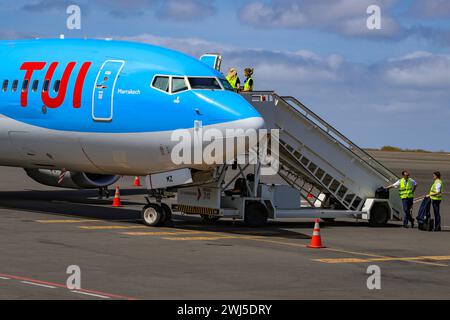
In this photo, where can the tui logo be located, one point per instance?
(56, 102)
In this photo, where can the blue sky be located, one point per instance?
(380, 87)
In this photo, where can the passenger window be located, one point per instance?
(25, 85)
(15, 85)
(178, 85)
(35, 85)
(161, 83)
(5, 85)
(46, 85)
(56, 85)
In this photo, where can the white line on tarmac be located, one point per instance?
(38, 284)
(90, 294)
(3, 278)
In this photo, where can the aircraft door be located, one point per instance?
(103, 94)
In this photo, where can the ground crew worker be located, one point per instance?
(234, 80)
(406, 187)
(436, 192)
(248, 85)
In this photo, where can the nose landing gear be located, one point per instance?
(103, 192)
(156, 214)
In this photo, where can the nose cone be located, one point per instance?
(235, 118)
(254, 123)
(229, 108)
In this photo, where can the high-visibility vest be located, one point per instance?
(247, 86)
(433, 190)
(233, 82)
(406, 189)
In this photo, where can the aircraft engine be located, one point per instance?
(72, 180)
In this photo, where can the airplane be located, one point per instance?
(82, 113)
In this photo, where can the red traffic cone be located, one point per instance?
(137, 182)
(116, 202)
(316, 241)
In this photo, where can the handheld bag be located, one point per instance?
(424, 217)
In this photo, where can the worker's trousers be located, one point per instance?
(437, 214)
(407, 207)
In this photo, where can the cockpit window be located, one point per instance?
(178, 85)
(161, 83)
(204, 83)
(226, 84)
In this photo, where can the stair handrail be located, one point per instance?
(351, 146)
(345, 142)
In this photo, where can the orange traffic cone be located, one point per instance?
(316, 241)
(137, 182)
(116, 202)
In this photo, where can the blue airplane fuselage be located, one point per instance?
(97, 106)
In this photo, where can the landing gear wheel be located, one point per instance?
(209, 219)
(379, 215)
(167, 214)
(256, 214)
(103, 192)
(153, 215)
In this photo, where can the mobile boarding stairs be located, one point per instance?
(327, 176)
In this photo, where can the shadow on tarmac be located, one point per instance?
(82, 204)
(70, 203)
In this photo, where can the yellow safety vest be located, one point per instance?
(406, 189)
(233, 82)
(433, 190)
(247, 86)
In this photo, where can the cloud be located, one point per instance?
(348, 18)
(434, 35)
(186, 10)
(419, 70)
(192, 46)
(13, 35)
(180, 10)
(430, 9)
(45, 5)
(125, 8)
(344, 17)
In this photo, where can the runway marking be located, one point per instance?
(65, 221)
(206, 238)
(112, 227)
(160, 233)
(91, 294)
(38, 284)
(387, 259)
(4, 278)
(256, 232)
(373, 256)
(174, 235)
(196, 238)
(57, 285)
(259, 239)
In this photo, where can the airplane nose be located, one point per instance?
(255, 123)
(238, 121)
(231, 109)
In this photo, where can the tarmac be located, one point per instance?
(45, 230)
